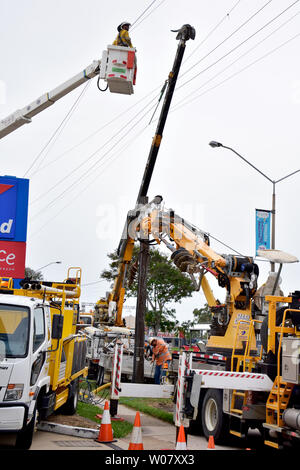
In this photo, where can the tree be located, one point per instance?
(185, 328)
(33, 275)
(165, 285)
(202, 314)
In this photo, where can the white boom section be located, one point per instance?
(23, 116)
(234, 380)
(146, 391)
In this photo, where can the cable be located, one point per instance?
(84, 174)
(150, 13)
(96, 132)
(236, 60)
(239, 45)
(86, 187)
(66, 118)
(91, 283)
(142, 14)
(226, 39)
(212, 31)
(242, 70)
(91, 156)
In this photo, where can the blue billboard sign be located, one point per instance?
(13, 208)
(263, 229)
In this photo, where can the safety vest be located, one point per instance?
(123, 39)
(161, 352)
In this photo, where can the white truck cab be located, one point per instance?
(25, 338)
(41, 355)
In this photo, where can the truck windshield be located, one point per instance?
(14, 330)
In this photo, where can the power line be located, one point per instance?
(92, 155)
(212, 31)
(236, 60)
(239, 45)
(60, 127)
(226, 39)
(92, 167)
(150, 13)
(87, 186)
(142, 14)
(97, 131)
(242, 70)
(92, 283)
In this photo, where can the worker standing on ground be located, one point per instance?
(123, 38)
(160, 355)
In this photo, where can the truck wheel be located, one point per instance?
(69, 408)
(214, 422)
(24, 437)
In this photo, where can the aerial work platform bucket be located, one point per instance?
(118, 69)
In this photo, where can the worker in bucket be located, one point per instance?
(161, 355)
(123, 38)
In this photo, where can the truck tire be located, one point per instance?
(69, 408)
(24, 437)
(214, 422)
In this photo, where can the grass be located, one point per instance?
(120, 429)
(149, 406)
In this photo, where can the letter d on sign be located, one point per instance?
(6, 226)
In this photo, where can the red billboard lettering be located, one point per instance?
(12, 259)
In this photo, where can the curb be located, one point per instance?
(87, 433)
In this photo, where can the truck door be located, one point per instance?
(38, 344)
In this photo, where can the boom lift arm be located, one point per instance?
(192, 254)
(117, 83)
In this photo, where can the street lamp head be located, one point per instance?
(214, 144)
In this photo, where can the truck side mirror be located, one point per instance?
(57, 326)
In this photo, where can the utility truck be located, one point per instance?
(41, 356)
(248, 376)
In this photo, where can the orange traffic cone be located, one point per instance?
(136, 436)
(105, 432)
(181, 442)
(211, 442)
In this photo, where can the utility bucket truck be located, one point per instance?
(41, 356)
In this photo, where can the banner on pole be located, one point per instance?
(263, 229)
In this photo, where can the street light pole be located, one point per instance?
(215, 144)
(52, 262)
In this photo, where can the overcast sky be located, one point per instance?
(239, 84)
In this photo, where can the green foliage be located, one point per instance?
(33, 275)
(185, 328)
(147, 406)
(120, 429)
(202, 315)
(165, 284)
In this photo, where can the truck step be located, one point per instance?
(275, 445)
(237, 434)
(234, 410)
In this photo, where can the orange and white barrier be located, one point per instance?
(105, 432)
(211, 443)
(181, 441)
(136, 442)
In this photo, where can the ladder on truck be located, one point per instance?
(242, 361)
(280, 393)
